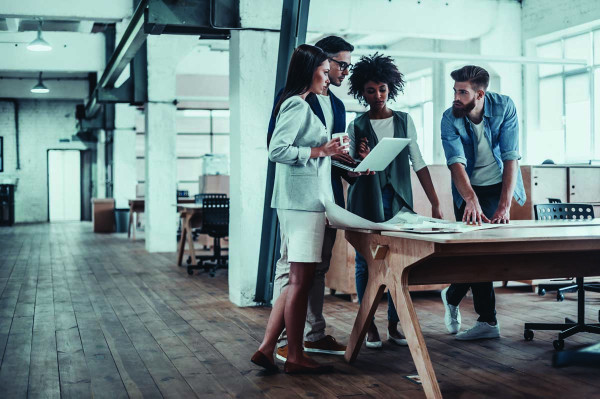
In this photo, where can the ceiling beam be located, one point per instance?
(85, 26)
(13, 24)
(474, 57)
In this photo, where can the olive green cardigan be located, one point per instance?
(364, 196)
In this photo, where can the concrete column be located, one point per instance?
(252, 68)
(164, 53)
(124, 161)
(101, 165)
(440, 103)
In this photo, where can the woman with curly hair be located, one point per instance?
(375, 79)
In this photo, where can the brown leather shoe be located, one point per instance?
(261, 360)
(327, 345)
(282, 352)
(294, 368)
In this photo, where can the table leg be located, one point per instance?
(129, 225)
(181, 248)
(370, 301)
(414, 336)
(135, 220)
(188, 228)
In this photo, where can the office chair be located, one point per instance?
(215, 223)
(568, 284)
(569, 213)
(198, 200)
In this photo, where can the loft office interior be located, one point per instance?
(115, 116)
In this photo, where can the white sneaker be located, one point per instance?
(397, 341)
(480, 330)
(452, 316)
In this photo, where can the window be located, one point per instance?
(199, 132)
(569, 96)
(417, 102)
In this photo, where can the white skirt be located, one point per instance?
(302, 234)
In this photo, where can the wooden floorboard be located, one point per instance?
(95, 315)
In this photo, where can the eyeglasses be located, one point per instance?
(341, 64)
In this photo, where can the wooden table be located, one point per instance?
(137, 206)
(397, 260)
(191, 216)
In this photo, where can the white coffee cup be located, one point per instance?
(344, 142)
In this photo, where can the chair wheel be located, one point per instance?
(189, 260)
(190, 271)
(541, 292)
(528, 335)
(559, 344)
(560, 297)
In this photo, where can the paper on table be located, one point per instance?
(405, 220)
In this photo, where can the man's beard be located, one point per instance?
(464, 110)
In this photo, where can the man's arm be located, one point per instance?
(427, 184)
(473, 213)
(456, 161)
(509, 152)
(509, 181)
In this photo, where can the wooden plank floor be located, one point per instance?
(85, 314)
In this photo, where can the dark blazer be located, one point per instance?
(339, 126)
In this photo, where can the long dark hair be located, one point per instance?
(305, 61)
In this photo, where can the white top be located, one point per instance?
(385, 128)
(325, 102)
(486, 171)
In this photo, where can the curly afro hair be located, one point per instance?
(377, 68)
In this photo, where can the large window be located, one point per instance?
(417, 101)
(569, 98)
(202, 147)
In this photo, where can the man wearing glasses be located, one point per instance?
(331, 111)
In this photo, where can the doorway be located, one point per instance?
(64, 185)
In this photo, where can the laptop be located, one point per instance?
(379, 158)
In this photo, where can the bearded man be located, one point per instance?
(480, 136)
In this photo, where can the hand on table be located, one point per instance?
(473, 213)
(502, 215)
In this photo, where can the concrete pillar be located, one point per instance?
(440, 104)
(101, 165)
(124, 160)
(252, 68)
(164, 53)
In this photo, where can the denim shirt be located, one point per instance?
(501, 129)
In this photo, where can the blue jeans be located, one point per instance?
(361, 273)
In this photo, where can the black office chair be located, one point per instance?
(215, 223)
(563, 286)
(569, 213)
(198, 200)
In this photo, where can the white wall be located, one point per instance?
(41, 125)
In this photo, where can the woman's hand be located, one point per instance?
(436, 212)
(363, 148)
(332, 147)
(357, 174)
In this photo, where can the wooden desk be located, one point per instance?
(191, 216)
(397, 260)
(138, 205)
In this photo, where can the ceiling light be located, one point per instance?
(39, 44)
(39, 87)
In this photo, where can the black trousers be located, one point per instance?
(484, 298)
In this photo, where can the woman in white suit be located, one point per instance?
(301, 146)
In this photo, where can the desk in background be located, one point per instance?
(137, 206)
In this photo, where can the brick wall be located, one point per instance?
(540, 17)
(41, 125)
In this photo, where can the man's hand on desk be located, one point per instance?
(502, 215)
(473, 213)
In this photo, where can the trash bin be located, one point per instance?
(121, 220)
(103, 219)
